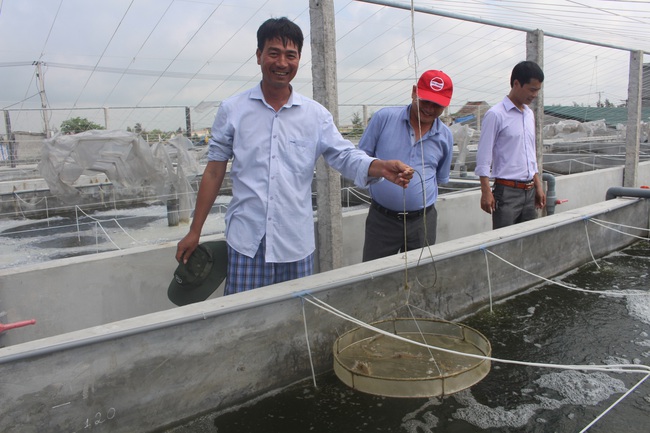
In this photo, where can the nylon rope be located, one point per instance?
(616, 368)
(311, 362)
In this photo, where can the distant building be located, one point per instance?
(612, 116)
(471, 113)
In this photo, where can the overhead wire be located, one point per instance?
(218, 50)
(355, 80)
(135, 56)
(101, 56)
(49, 33)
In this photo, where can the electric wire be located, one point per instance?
(74, 105)
(135, 56)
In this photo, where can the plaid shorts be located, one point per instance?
(245, 273)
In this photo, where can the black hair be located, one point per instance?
(526, 71)
(280, 28)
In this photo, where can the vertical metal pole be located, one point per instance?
(535, 53)
(188, 123)
(106, 117)
(41, 82)
(328, 181)
(11, 141)
(633, 129)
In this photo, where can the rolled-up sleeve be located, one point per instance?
(221, 137)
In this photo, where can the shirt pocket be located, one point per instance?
(297, 155)
(511, 133)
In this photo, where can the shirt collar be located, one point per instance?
(294, 99)
(509, 105)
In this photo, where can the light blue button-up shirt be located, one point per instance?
(273, 159)
(507, 143)
(389, 135)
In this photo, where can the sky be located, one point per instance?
(112, 61)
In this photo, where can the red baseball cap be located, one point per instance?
(435, 86)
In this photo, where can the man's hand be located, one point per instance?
(392, 170)
(488, 204)
(186, 247)
(540, 199)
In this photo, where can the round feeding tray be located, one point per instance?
(379, 364)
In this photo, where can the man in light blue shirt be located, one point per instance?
(507, 152)
(274, 137)
(405, 219)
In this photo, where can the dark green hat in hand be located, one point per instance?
(204, 271)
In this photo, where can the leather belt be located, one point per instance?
(399, 215)
(527, 185)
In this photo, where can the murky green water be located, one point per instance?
(547, 325)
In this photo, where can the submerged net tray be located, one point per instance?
(378, 364)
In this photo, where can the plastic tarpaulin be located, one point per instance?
(125, 158)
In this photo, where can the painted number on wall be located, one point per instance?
(100, 418)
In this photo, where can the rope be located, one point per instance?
(629, 391)
(617, 368)
(613, 293)
(406, 269)
(421, 144)
(487, 265)
(589, 245)
(607, 225)
(99, 222)
(311, 362)
(20, 208)
(431, 357)
(604, 224)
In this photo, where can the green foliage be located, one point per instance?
(356, 120)
(77, 125)
(357, 125)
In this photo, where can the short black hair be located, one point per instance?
(280, 28)
(526, 71)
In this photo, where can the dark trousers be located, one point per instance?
(513, 205)
(385, 233)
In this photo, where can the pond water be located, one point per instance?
(25, 241)
(548, 324)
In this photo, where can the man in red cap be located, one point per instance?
(415, 135)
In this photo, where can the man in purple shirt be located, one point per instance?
(398, 219)
(507, 152)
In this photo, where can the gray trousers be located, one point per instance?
(385, 234)
(513, 205)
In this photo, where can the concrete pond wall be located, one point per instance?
(110, 352)
(147, 372)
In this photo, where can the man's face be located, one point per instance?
(427, 111)
(524, 95)
(279, 64)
